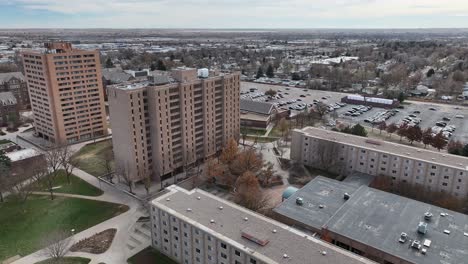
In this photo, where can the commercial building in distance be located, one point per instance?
(65, 87)
(381, 226)
(172, 121)
(344, 154)
(15, 83)
(195, 227)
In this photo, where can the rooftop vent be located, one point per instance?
(422, 228)
(274, 231)
(212, 221)
(285, 256)
(427, 242)
(403, 237)
(447, 232)
(346, 196)
(220, 208)
(189, 209)
(424, 251)
(299, 201)
(168, 199)
(443, 214)
(198, 198)
(246, 219)
(427, 216)
(321, 206)
(324, 253)
(416, 244)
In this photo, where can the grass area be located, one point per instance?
(66, 260)
(150, 256)
(91, 157)
(260, 139)
(24, 225)
(253, 131)
(4, 141)
(77, 185)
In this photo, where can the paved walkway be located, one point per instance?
(125, 224)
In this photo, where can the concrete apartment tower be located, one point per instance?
(172, 121)
(66, 93)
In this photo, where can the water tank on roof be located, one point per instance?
(203, 73)
(288, 192)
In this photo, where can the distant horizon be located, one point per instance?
(234, 14)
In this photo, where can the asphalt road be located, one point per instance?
(428, 117)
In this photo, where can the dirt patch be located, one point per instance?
(97, 244)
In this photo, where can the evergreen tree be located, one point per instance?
(270, 72)
(160, 66)
(359, 130)
(109, 63)
(259, 73)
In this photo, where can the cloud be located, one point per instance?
(242, 13)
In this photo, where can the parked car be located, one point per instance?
(446, 118)
(459, 116)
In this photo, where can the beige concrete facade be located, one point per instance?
(342, 153)
(66, 93)
(158, 128)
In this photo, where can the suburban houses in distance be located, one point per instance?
(135, 135)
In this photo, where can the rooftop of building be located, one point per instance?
(22, 154)
(158, 78)
(321, 197)
(116, 75)
(377, 219)
(6, 77)
(426, 155)
(227, 221)
(7, 98)
(256, 107)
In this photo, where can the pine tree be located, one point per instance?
(259, 73)
(270, 73)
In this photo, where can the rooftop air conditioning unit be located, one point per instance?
(299, 201)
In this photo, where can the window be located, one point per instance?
(253, 261)
(197, 250)
(223, 255)
(444, 184)
(237, 253)
(223, 245)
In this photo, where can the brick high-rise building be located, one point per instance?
(66, 93)
(160, 126)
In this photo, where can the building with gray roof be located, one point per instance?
(198, 227)
(8, 108)
(381, 226)
(345, 154)
(258, 114)
(15, 83)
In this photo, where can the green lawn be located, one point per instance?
(150, 256)
(253, 131)
(4, 141)
(77, 186)
(66, 260)
(91, 157)
(23, 225)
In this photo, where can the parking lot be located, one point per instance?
(428, 113)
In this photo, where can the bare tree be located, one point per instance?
(67, 161)
(327, 156)
(56, 245)
(321, 109)
(283, 127)
(107, 162)
(53, 158)
(146, 176)
(123, 172)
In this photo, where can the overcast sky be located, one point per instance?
(234, 13)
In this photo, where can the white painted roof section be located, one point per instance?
(22, 154)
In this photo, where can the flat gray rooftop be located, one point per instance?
(378, 218)
(443, 159)
(319, 192)
(229, 224)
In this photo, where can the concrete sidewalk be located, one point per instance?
(125, 223)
